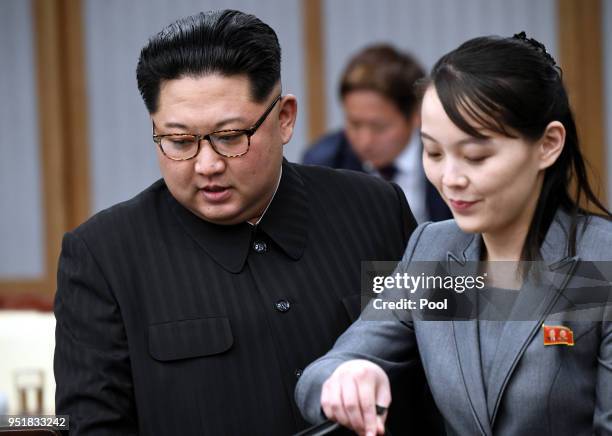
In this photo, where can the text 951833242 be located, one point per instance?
(55, 422)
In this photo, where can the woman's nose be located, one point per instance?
(453, 177)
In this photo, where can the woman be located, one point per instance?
(500, 145)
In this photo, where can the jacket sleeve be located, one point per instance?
(408, 223)
(602, 420)
(378, 336)
(91, 362)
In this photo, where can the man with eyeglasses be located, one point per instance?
(192, 308)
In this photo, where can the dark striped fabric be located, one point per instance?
(170, 325)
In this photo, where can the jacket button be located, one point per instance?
(260, 246)
(282, 306)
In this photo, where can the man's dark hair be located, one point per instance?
(217, 42)
(387, 71)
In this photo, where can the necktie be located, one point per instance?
(388, 172)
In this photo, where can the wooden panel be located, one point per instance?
(315, 68)
(47, 55)
(77, 182)
(21, 220)
(63, 136)
(580, 42)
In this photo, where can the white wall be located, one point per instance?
(426, 28)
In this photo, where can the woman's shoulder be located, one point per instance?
(441, 228)
(596, 223)
(594, 237)
(433, 240)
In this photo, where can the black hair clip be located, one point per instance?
(535, 44)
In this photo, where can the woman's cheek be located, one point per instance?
(432, 171)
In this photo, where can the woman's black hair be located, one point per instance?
(513, 86)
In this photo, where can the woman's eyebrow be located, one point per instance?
(464, 141)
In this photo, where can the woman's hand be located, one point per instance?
(350, 396)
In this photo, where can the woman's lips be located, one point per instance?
(462, 206)
(215, 194)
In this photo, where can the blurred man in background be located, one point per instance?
(380, 135)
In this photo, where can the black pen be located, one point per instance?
(327, 426)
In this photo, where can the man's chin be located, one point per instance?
(223, 215)
(374, 165)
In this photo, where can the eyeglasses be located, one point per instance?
(227, 143)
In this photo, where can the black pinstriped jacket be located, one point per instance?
(168, 324)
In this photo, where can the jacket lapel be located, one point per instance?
(533, 305)
(468, 352)
(466, 338)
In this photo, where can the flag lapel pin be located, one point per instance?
(558, 335)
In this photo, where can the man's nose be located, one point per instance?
(208, 161)
(366, 139)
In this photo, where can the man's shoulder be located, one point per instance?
(325, 150)
(333, 181)
(113, 218)
(355, 196)
(329, 140)
(344, 200)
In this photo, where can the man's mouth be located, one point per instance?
(214, 188)
(215, 193)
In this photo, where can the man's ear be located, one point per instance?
(551, 144)
(287, 116)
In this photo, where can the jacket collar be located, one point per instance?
(285, 222)
(554, 249)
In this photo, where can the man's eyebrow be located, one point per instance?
(218, 126)
(227, 121)
(468, 140)
(175, 126)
